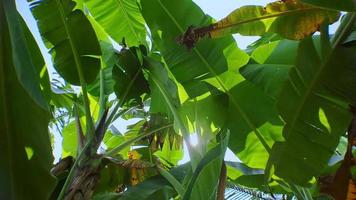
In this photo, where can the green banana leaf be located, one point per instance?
(128, 74)
(274, 59)
(264, 39)
(115, 140)
(190, 68)
(70, 139)
(25, 147)
(202, 115)
(164, 88)
(158, 102)
(108, 83)
(171, 152)
(72, 41)
(278, 54)
(120, 19)
(212, 65)
(253, 146)
(27, 58)
(108, 60)
(313, 103)
(112, 140)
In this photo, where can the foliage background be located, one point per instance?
(310, 103)
(216, 9)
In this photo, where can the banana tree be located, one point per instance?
(281, 106)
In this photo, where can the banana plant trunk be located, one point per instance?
(85, 172)
(85, 178)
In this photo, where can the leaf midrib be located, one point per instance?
(68, 33)
(305, 96)
(207, 65)
(263, 17)
(89, 124)
(318, 74)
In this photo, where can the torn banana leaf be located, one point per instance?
(290, 19)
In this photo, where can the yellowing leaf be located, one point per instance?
(298, 20)
(137, 168)
(290, 19)
(244, 20)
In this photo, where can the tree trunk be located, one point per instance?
(84, 181)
